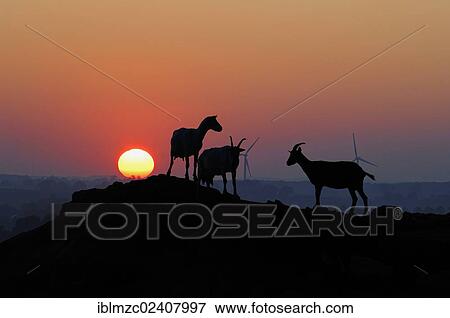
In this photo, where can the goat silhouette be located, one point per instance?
(187, 142)
(336, 175)
(218, 162)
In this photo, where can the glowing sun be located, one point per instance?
(136, 164)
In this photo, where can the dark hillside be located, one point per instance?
(413, 262)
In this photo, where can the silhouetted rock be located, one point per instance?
(411, 263)
(159, 188)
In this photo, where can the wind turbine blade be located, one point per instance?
(354, 146)
(251, 146)
(248, 168)
(368, 162)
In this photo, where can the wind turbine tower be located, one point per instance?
(246, 164)
(357, 157)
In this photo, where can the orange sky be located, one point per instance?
(245, 61)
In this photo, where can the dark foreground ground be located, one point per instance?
(413, 262)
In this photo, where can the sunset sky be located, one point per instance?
(246, 61)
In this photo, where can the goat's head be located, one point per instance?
(237, 149)
(294, 154)
(212, 123)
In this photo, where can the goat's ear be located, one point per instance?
(241, 150)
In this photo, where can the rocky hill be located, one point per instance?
(413, 262)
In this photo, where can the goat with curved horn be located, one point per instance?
(218, 162)
(336, 175)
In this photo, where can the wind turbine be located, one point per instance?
(358, 158)
(245, 155)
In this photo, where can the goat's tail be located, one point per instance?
(371, 176)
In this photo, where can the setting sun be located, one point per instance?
(136, 164)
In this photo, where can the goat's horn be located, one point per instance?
(240, 142)
(297, 145)
(231, 139)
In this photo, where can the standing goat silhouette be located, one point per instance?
(218, 162)
(187, 142)
(332, 174)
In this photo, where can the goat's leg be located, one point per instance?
(363, 196)
(224, 178)
(195, 166)
(233, 176)
(318, 192)
(186, 175)
(354, 197)
(170, 166)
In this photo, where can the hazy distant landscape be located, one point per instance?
(425, 197)
(25, 201)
